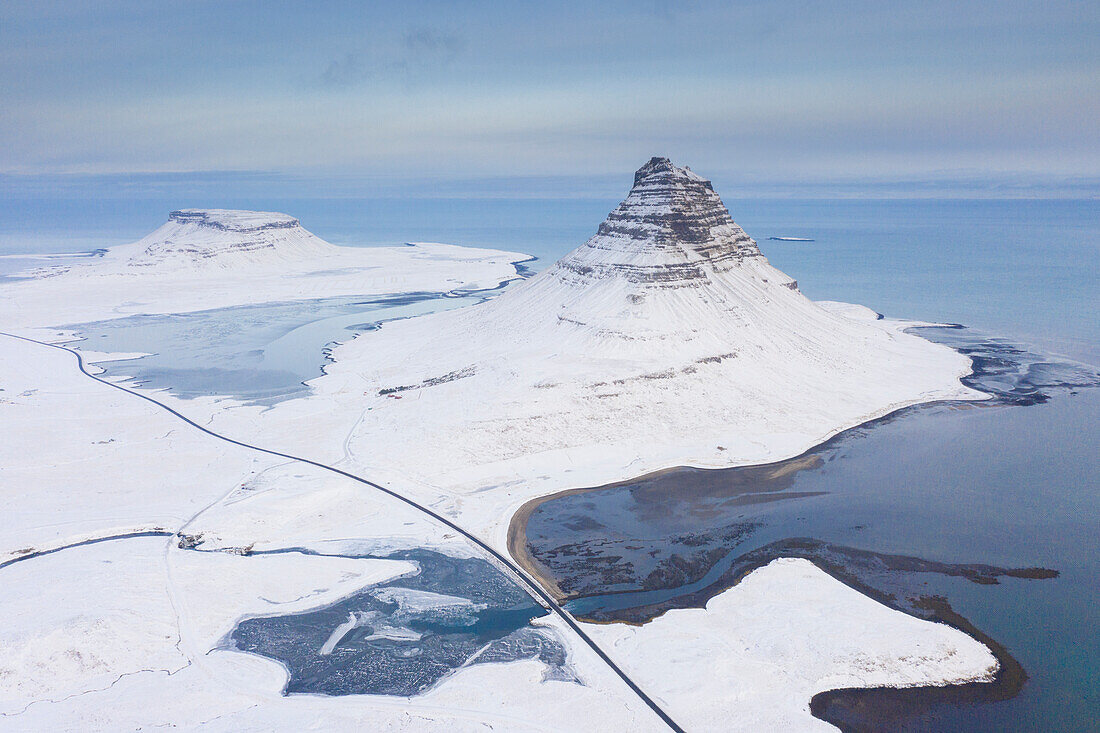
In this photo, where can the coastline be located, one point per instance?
(517, 526)
(211, 575)
(991, 361)
(868, 709)
(878, 707)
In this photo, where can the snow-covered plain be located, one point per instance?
(81, 460)
(667, 339)
(96, 632)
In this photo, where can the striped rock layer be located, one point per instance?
(672, 230)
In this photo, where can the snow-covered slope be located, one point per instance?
(217, 258)
(665, 339)
(755, 656)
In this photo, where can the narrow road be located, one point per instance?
(82, 543)
(531, 585)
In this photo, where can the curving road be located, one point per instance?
(531, 585)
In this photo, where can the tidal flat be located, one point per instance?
(972, 514)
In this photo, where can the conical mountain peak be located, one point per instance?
(671, 229)
(655, 165)
(663, 171)
(666, 331)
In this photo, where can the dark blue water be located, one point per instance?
(1007, 486)
(402, 636)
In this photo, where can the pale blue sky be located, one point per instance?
(771, 91)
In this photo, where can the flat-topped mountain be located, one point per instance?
(225, 238)
(667, 338)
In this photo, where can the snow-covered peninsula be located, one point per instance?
(666, 339)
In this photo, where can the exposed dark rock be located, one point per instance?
(670, 231)
(233, 221)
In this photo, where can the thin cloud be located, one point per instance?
(344, 71)
(433, 42)
(415, 54)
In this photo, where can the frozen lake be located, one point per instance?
(403, 636)
(260, 353)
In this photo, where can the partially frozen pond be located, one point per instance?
(259, 353)
(402, 636)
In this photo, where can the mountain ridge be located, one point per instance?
(234, 220)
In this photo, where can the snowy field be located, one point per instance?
(590, 372)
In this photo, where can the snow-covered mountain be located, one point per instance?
(668, 231)
(667, 338)
(667, 267)
(225, 238)
(217, 258)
